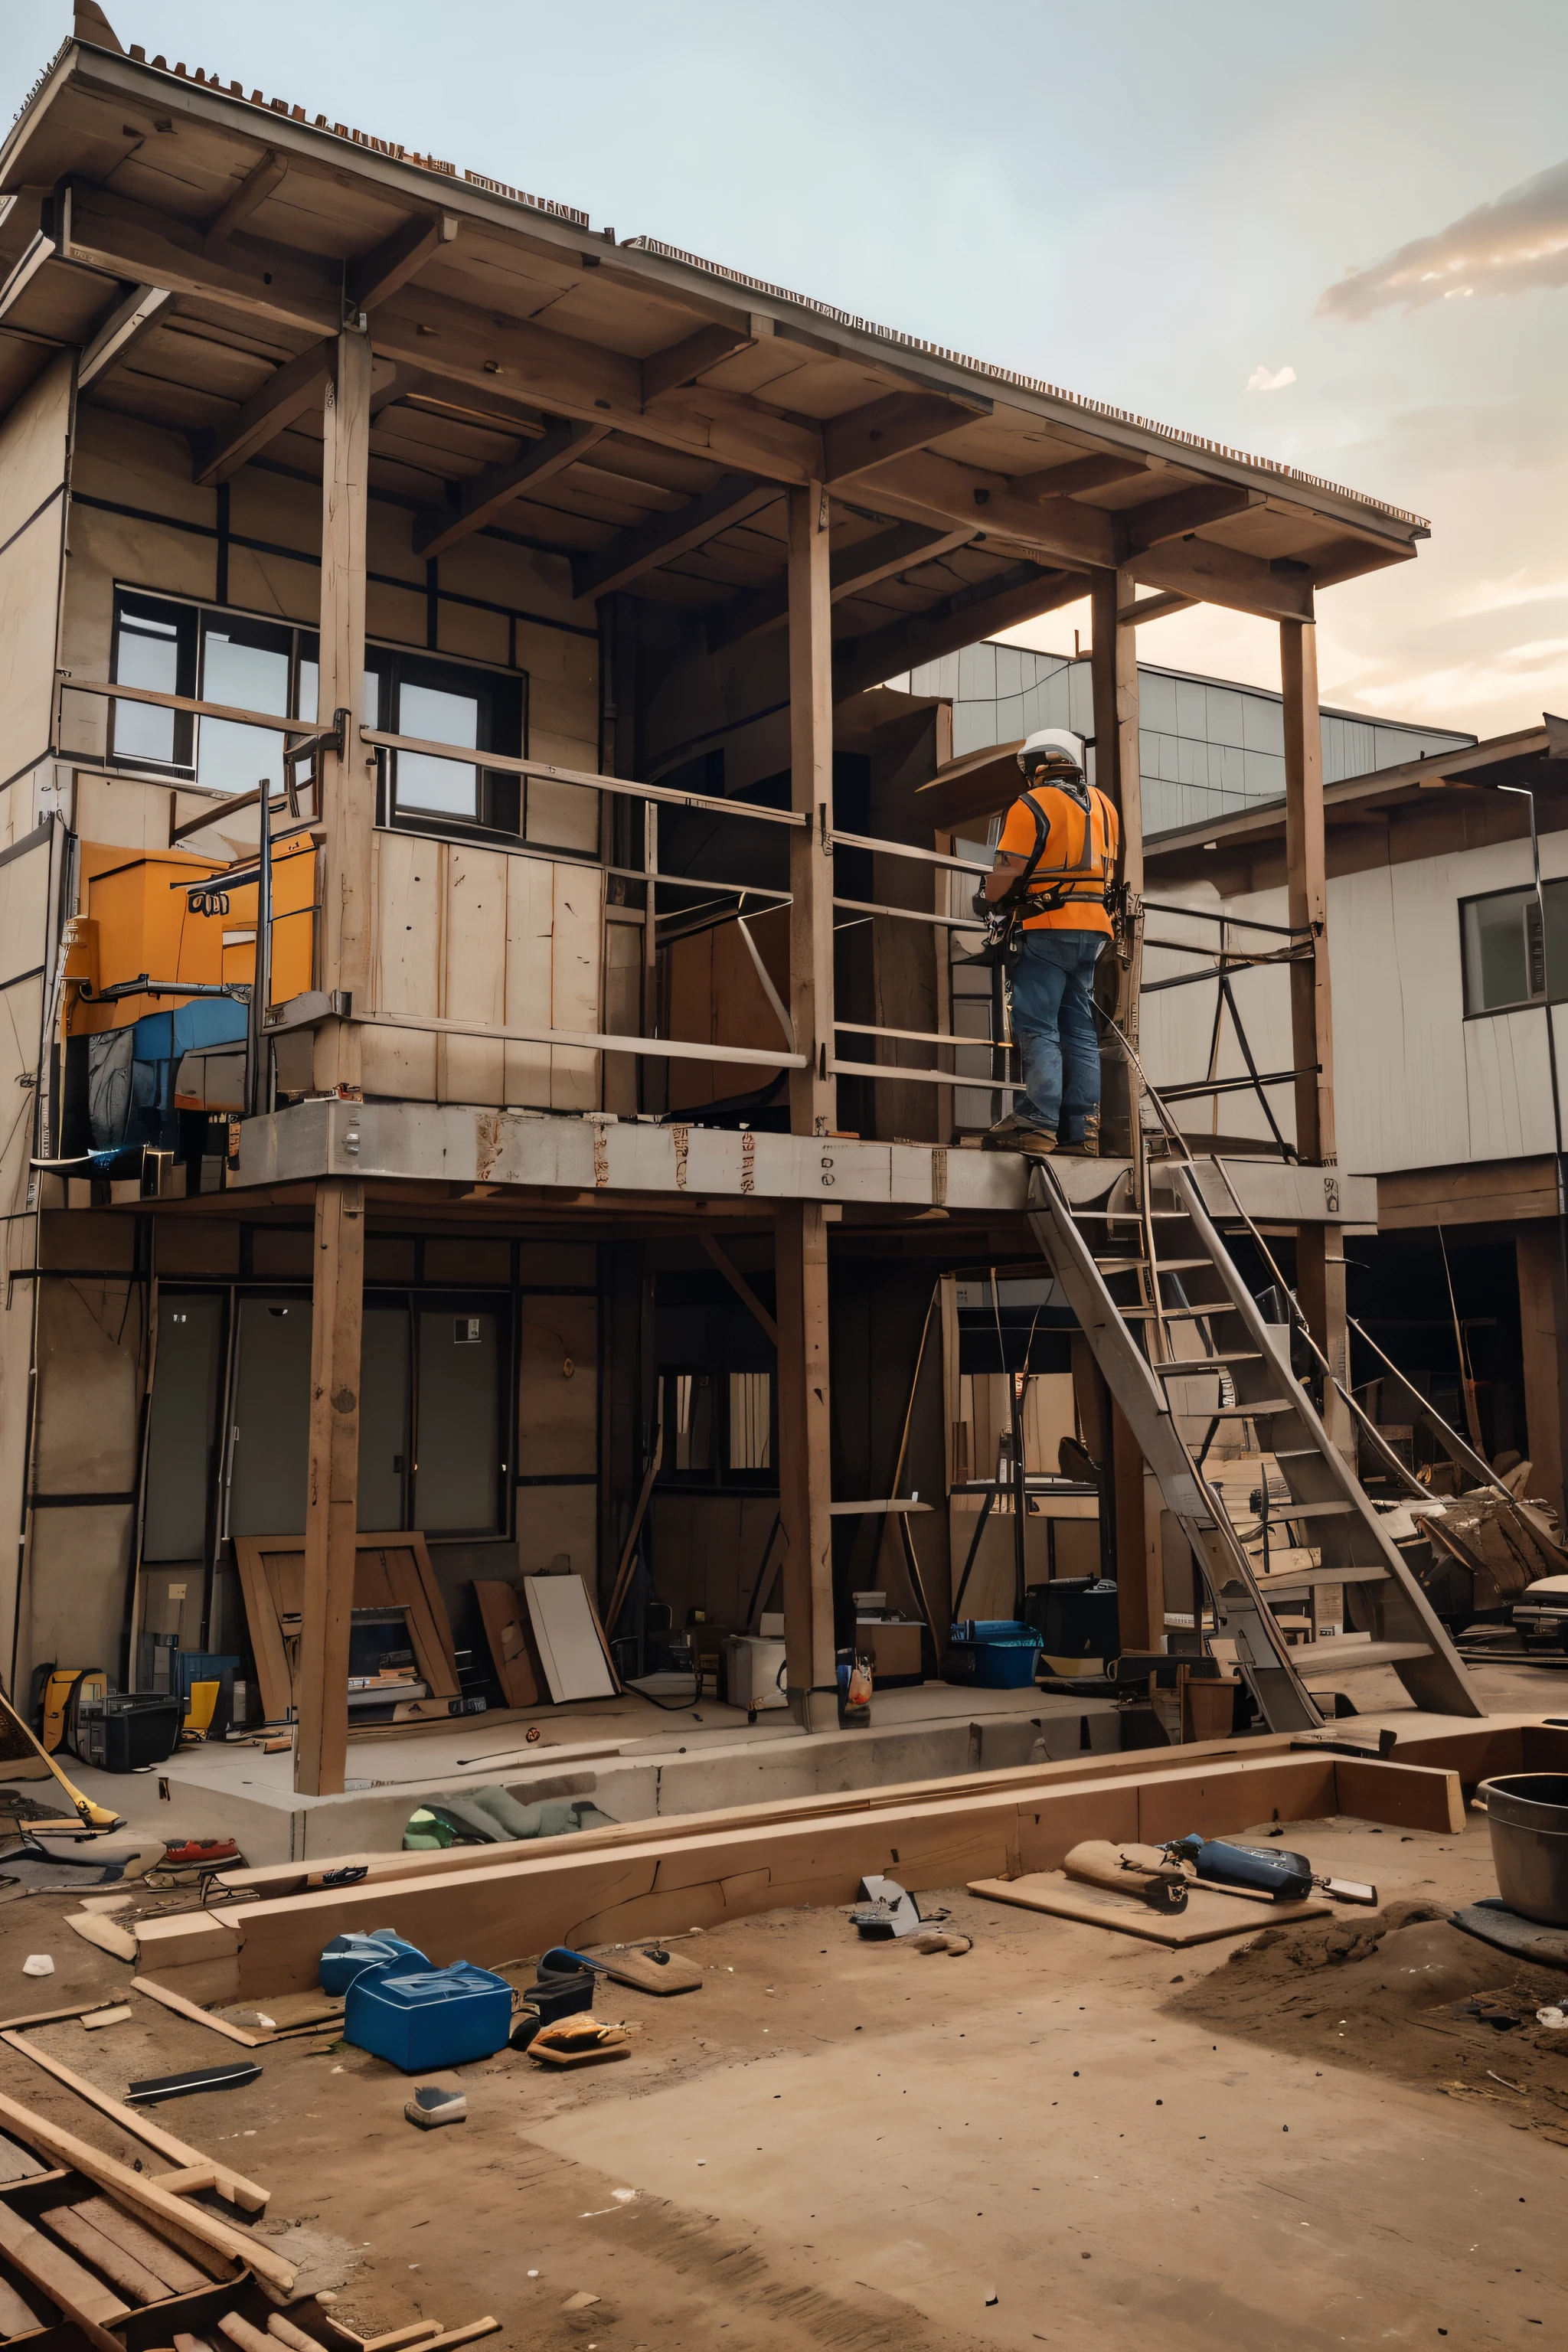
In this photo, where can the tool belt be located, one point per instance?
(1004, 918)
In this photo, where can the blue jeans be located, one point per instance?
(1054, 1025)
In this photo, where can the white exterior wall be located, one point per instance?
(1416, 1083)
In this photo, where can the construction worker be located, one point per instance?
(1053, 871)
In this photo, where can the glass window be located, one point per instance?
(154, 647)
(247, 664)
(1502, 944)
(440, 716)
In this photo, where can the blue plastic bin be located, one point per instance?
(346, 1956)
(996, 1653)
(425, 2018)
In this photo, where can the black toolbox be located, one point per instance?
(130, 1730)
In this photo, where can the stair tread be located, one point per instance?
(1291, 1580)
(1304, 1511)
(1255, 1409)
(1186, 1367)
(1172, 1314)
(1349, 1657)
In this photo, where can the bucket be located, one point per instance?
(1527, 1814)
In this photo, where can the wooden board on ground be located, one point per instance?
(199, 2016)
(1206, 1918)
(570, 1649)
(232, 2186)
(659, 1881)
(93, 1928)
(501, 1610)
(391, 1571)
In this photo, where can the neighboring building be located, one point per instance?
(1208, 748)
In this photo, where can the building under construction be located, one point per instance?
(492, 1054)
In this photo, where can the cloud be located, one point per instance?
(1516, 242)
(1264, 380)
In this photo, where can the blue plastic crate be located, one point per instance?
(994, 1654)
(425, 2018)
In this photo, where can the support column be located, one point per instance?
(806, 1449)
(347, 801)
(332, 1488)
(1543, 1325)
(813, 1094)
(1320, 1249)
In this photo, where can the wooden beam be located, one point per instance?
(138, 2124)
(805, 1458)
(1543, 1327)
(347, 788)
(740, 1286)
(928, 488)
(665, 536)
(1211, 574)
(331, 1490)
(376, 277)
(886, 428)
(258, 184)
(1113, 664)
(134, 242)
(1020, 594)
(1181, 512)
(1155, 608)
(121, 331)
(1078, 474)
(672, 370)
(1319, 1250)
(851, 572)
(298, 385)
(42, 249)
(813, 1094)
(477, 502)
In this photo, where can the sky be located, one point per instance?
(1334, 234)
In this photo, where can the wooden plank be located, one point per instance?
(123, 2270)
(155, 2253)
(121, 331)
(17, 2318)
(1224, 575)
(473, 1069)
(1180, 512)
(664, 537)
(501, 1613)
(851, 572)
(1206, 1918)
(331, 1505)
(1543, 1327)
(80, 2295)
(740, 1285)
(806, 1449)
(529, 923)
(412, 1582)
(480, 499)
(577, 898)
(266, 1633)
(1075, 474)
(127, 2187)
(234, 2187)
(49, 2016)
(184, 2007)
(93, 1928)
(1023, 593)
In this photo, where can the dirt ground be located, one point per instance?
(1064, 2134)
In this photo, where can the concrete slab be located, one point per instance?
(635, 1763)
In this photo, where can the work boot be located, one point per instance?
(1015, 1134)
(1089, 1148)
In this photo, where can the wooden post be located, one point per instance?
(348, 785)
(813, 1094)
(332, 1489)
(806, 1449)
(1543, 1324)
(1320, 1248)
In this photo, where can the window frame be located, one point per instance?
(1525, 895)
(501, 809)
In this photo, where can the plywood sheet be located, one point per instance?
(391, 1571)
(1205, 1919)
(501, 1610)
(570, 1647)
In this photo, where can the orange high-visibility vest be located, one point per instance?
(1079, 855)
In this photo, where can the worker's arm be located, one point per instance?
(1002, 874)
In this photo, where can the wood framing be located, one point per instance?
(263, 179)
(478, 502)
(806, 1449)
(391, 1571)
(296, 386)
(1543, 1326)
(347, 791)
(331, 1487)
(812, 1094)
(730, 499)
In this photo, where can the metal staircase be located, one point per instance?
(1181, 1342)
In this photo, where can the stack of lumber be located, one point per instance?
(651, 1878)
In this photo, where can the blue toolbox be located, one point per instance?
(428, 2018)
(346, 1957)
(992, 1653)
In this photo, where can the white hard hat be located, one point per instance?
(1051, 743)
